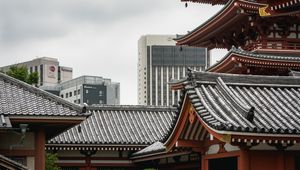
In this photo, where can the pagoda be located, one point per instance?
(258, 28)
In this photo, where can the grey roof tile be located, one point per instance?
(226, 100)
(153, 148)
(20, 99)
(255, 55)
(129, 125)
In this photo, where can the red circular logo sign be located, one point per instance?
(52, 68)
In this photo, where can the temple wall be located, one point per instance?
(12, 141)
(272, 160)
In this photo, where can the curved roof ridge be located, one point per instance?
(129, 107)
(207, 21)
(236, 79)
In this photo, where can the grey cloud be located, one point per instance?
(22, 21)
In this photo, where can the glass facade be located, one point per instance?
(165, 63)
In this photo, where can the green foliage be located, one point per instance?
(21, 73)
(51, 158)
(33, 78)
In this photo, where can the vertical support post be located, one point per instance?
(280, 161)
(39, 158)
(244, 160)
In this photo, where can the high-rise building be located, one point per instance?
(92, 90)
(49, 70)
(159, 61)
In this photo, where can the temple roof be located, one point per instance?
(6, 163)
(253, 105)
(156, 147)
(246, 24)
(236, 55)
(120, 125)
(222, 20)
(21, 99)
(213, 2)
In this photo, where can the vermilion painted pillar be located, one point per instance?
(244, 161)
(39, 160)
(280, 161)
(88, 163)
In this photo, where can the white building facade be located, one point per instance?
(49, 70)
(159, 61)
(92, 90)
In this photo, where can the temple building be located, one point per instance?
(265, 32)
(234, 122)
(28, 118)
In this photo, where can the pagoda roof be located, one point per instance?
(239, 55)
(245, 105)
(231, 14)
(236, 109)
(213, 2)
(119, 126)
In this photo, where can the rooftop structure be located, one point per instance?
(259, 27)
(252, 118)
(29, 117)
(113, 132)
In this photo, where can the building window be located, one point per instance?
(31, 69)
(87, 101)
(59, 75)
(70, 94)
(75, 101)
(116, 92)
(78, 101)
(78, 91)
(41, 74)
(86, 91)
(100, 93)
(100, 101)
(67, 95)
(62, 96)
(75, 91)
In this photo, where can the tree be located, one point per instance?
(51, 158)
(21, 73)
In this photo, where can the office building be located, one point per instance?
(49, 70)
(91, 90)
(159, 61)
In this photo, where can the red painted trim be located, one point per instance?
(39, 162)
(50, 121)
(183, 118)
(18, 152)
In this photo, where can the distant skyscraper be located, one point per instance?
(159, 61)
(49, 70)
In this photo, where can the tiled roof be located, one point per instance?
(20, 99)
(207, 1)
(154, 148)
(245, 103)
(254, 55)
(8, 163)
(4, 122)
(126, 125)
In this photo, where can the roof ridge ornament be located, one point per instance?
(191, 76)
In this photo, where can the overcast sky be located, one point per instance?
(94, 37)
